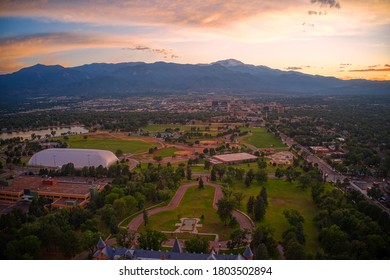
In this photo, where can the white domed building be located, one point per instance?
(79, 157)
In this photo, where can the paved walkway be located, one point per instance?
(244, 221)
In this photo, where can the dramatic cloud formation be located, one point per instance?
(194, 13)
(267, 32)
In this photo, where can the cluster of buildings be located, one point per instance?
(105, 252)
(63, 192)
(281, 158)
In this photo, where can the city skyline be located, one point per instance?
(346, 39)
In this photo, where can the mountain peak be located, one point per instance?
(229, 62)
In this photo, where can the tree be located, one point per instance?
(213, 175)
(263, 235)
(207, 164)
(151, 240)
(296, 220)
(238, 238)
(200, 183)
(293, 217)
(279, 173)
(374, 192)
(220, 169)
(250, 205)
(289, 174)
(294, 251)
(189, 173)
(119, 153)
(261, 176)
(263, 194)
(225, 209)
(197, 244)
(145, 217)
(262, 163)
(239, 196)
(304, 181)
(69, 243)
(249, 177)
(89, 241)
(125, 237)
(259, 209)
(260, 252)
(334, 240)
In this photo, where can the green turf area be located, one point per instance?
(194, 203)
(261, 138)
(127, 146)
(187, 235)
(196, 168)
(284, 195)
(167, 152)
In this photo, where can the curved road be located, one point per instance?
(244, 221)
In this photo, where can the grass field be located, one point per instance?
(127, 146)
(261, 138)
(194, 203)
(283, 195)
(167, 152)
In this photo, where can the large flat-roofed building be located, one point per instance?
(233, 158)
(79, 157)
(65, 192)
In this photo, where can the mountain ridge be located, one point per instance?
(126, 78)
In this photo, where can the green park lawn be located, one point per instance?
(167, 152)
(127, 146)
(261, 138)
(284, 195)
(194, 203)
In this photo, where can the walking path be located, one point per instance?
(243, 220)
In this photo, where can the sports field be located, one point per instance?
(167, 152)
(284, 195)
(261, 138)
(194, 203)
(127, 146)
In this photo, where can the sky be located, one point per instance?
(346, 39)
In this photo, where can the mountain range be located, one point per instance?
(123, 79)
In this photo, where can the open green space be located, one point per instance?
(261, 138)
(195, 203)
(127, 146)
(284, 195)
(167, 152)
(187, 235)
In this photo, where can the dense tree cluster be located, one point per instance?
(362, 121)
(350, 226)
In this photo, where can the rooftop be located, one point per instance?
(235, 157)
